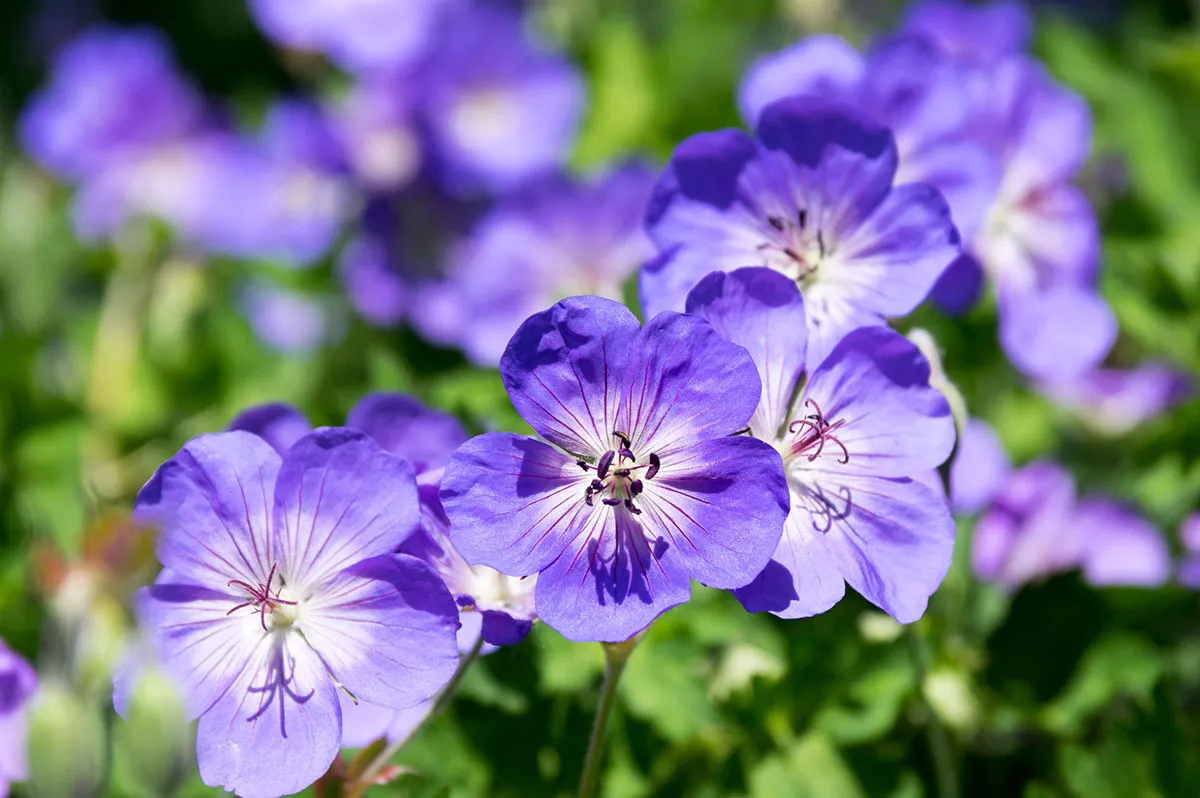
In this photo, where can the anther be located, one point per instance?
(635, 487)
(611, 501)
(582, 464)
(597, 485)
(605, 461)
(655, 464)
(624, 438)
(802, 218)
(629, 506)
(776, 222)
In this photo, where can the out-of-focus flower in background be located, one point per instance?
(290, 321)
(1119, 547)
(1115, 401)
(980, 468)
(1188, 572)
(17, 684)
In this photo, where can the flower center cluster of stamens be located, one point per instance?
(814, 431)
(618, 480)
(262, 599)
(791, 249)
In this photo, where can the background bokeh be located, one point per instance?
(114, 352)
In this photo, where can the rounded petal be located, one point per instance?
(562, 371)
(825, 65)
(1120, 548)
(683, 383)
(959, 287)
(1189, 533)
(277, 729)
(1056, 333)
(340, 499)
(720, 506)
(363, 723)
(211, 503)
(984, 32)
(514, 503)
(402, 425)
(761, 310)
(801, 580)
(965, 173)
(610, 586)
(386, 629)
(277, 423)
(979, 469)
(876, 382)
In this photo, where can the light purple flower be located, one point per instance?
(17, 684)
(859, 438)
(641, 484)
(980, 34)
(1189, 535)
(113, 93)
(363, 35)
(376, 127)
(558, 238)
(1028, 532)
(812, 197)
(906, 85)
(280, 584)
(497, 106)
(979, 470)
(1115, 401)
(1119, 547)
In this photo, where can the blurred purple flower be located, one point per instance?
(374, 287)
(497, 106)
(905, 84)
(1116, 401)
(289, 321)
(812, 197)
(979, 470)
(980, 34)
(362, 35)
(17, 684)
(557, 238)
(113, 94)
(641, 485)
(1119, 547)
(265, 606)
(1189, 535)
(1027, 532)
(376, 127)
(858, 436)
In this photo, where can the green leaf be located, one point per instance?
(810, 768)
(1118, 665)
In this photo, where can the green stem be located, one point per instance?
(935, 732)
(615, 657)
(371, 771)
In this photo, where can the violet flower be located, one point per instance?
(1188, 572)
(812, 197)
(280, 585)
(17, 684)
(558, 238)
(979, 470)
(860, 436)
(641, 483)
(976, 33)
(1119, 547)
(1115, 401)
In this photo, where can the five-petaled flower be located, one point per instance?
(860, 439)
(279, 586)
(642, 484)
(811, 197)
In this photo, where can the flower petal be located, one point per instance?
(1057, 333)
(385, 628)
(612, 583)
(720, 505)
(405, 427)
(514, 503)
(1120, 547)
(826, 66)
(212, 504)
(339, 499)
(979, 469)
(801, 580)
(761, 310)
(277, 423)
(894, 424)
(562, 371)
(684, 382)
(364, 723)
(277, 729)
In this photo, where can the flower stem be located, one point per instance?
(935, 732)
(360, 784)
(615, 657)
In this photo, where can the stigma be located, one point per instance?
(266, 602)
(618, 480)
(813, 432)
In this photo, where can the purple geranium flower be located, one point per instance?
(364, 35)
(1119, 547)
(642, 484)
(290, 321)
(17, 683)
(981, 34)
(498, 107)
(113, 93)
(860, 439)
(1115, 401)
(558, 238)
(979, 470)
(376, 127)
(1028, 532)
(280, 585)
(1189, 536)
(810, 197)
(908, 86)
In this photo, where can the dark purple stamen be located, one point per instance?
(260, 597)
(605, 461)
(655, 464)
(813, 431)
(622, 483)
(611, 501)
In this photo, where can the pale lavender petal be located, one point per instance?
(278, 423)
(363, 723)
(514, 503)
(1115, 401)
(17, 685)
(986, 32)
(1120, 548)
(761, 310)
(802, 579)
(980, 467)
(405, 427)
(212, 505)
(826, 66)
(1056, 333)
(277, 729)
(562, 371)
(385, 628)
(1188, 573)
(1189, 533)
(339, 499)
(684, 382)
